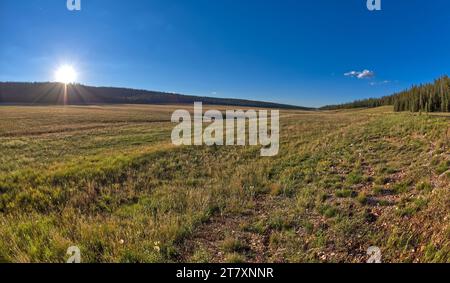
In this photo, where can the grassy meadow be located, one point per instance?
(108, 180)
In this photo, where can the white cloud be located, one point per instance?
(365, 74)
(351, 74)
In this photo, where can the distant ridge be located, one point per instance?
(47, 93)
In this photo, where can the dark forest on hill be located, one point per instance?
(77, 94)
(432, 97)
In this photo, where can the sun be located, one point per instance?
(66, 74)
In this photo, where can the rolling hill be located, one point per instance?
(53, 94)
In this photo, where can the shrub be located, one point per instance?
(231, 244)
(235, 258)
(346, 193)
(443, 167)
(355, 178)
(362, 198)
(424, 186)
(328, 211)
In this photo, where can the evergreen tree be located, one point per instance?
(433, 97)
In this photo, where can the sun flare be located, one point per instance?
(65, 74)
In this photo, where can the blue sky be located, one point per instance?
(288, 51)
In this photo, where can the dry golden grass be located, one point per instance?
(107, 179)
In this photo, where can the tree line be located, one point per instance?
(48, 93)
(432, 97)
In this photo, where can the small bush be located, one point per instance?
(231, 244)
(344, 193)
(377, 190)
(424, 186)
(409, 209)
(328, 211)
(201, 256)
(443, 167)
(355, 178)
(235, 258)
(401, 187)
(362, 198)
(381, 181)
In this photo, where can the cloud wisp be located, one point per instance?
(365, 74)
(380, 83)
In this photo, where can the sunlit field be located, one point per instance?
(108, 180)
